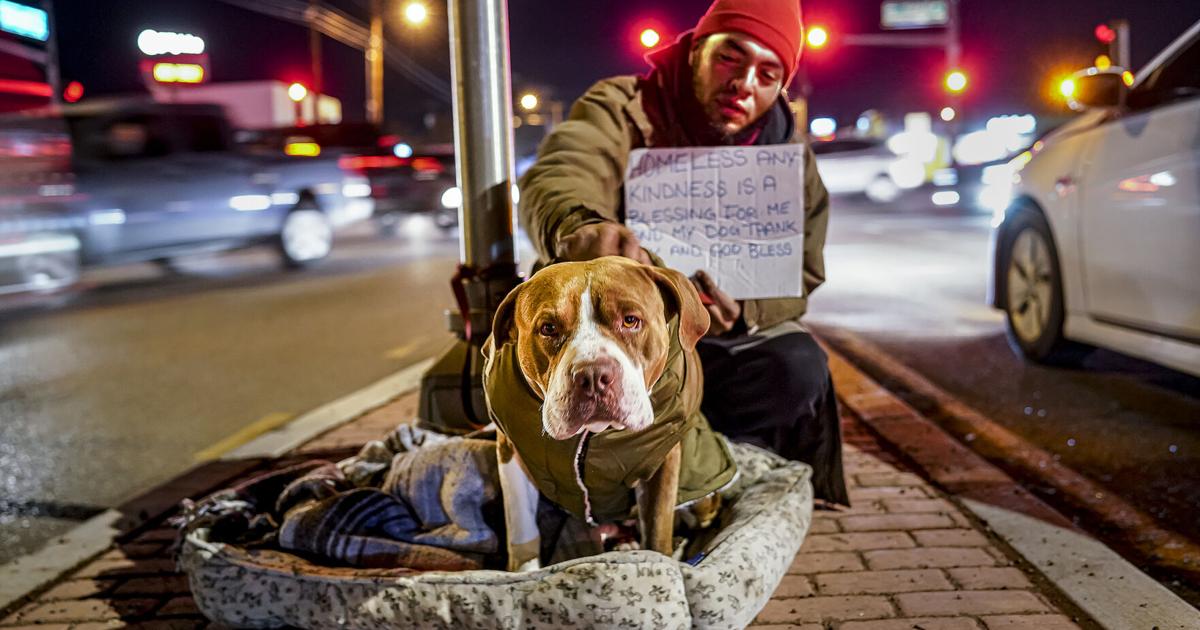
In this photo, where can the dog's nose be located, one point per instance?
(595, 377)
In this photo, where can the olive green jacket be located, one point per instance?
(614, 461)
(578, 179)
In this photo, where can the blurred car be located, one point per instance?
(141, 181)
(1101, 244)
(857, 166)
(405, 180)
(39, 246)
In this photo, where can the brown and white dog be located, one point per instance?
(592, 338)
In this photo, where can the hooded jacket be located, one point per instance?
(594, 480)
(578, 178)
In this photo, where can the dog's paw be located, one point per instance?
(529, 565)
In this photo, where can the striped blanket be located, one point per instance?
(417, 500)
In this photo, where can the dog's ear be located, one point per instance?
(681, 296)
(504, 325)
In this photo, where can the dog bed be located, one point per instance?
(724, 586)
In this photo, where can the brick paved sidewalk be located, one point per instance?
(904, 557)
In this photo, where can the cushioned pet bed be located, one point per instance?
(725, 586)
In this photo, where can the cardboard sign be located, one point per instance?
(735, 212)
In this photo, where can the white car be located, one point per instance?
(857, 165)
(1101, 243)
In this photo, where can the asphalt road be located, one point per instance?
(116, 387)
(112, 389)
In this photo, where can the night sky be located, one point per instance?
(1013, 49)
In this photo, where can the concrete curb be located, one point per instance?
(1093, 577)
(28, 574)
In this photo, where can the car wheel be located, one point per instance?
(46, 273)
(1034, 294)
(388, 224)
(882, 190)
(306, 236)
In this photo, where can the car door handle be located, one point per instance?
(1064, 185)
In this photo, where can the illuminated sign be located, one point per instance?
(23, 20)
(178, 73)
(914, 13)
(152, 42)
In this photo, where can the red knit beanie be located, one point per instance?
(775, 23)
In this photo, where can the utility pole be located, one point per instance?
(374, 59)
(53, 76)
(1119, 48)
(314, 52)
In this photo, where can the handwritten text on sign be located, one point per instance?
(736, 212)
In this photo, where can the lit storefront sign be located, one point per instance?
(23, 20)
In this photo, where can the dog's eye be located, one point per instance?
(631, 322)
(548, 329)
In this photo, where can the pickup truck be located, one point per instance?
(146, 181)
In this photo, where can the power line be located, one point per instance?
(343, 28)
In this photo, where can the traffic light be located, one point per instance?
(1105, 33)
(73, 92)
(817, 37)
(956, 81)
(649, 38)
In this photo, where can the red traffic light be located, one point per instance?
(1105, 33)
(73, 92)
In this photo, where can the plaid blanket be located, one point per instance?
(417, 499)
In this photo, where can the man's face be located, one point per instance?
(736, 80)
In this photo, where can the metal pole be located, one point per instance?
(452, 390)
(374, 56)
(483, 143)
(314, 49)
(1122, 44)
(53, 77)
(953, 58)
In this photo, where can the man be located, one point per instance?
(766, 380)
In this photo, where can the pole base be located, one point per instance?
(441, 406)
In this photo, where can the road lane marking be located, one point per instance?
(401, 351)
(23, 576)
(278, 441)
(269, 422)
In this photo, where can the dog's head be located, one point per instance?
(592, 339)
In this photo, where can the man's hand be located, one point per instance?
(601, 239)
(722, 309)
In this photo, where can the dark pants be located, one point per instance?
(778, 395)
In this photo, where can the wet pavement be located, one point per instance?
(123, 384)
(911, 280)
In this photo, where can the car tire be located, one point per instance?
(882, 190)
(306, 236)
(48, 273)
(387, 225)
(1033, 306)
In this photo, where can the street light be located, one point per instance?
(956, 81)
(649, 38)
(817, 37)
(529, 101)
(297, 92)
(416, 13)
(1067, 88)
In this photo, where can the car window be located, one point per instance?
(1176, 79)
(200, 133)
(841, 146)
(122, 138)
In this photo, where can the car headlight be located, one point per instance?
(452, 197)
(355, 188)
